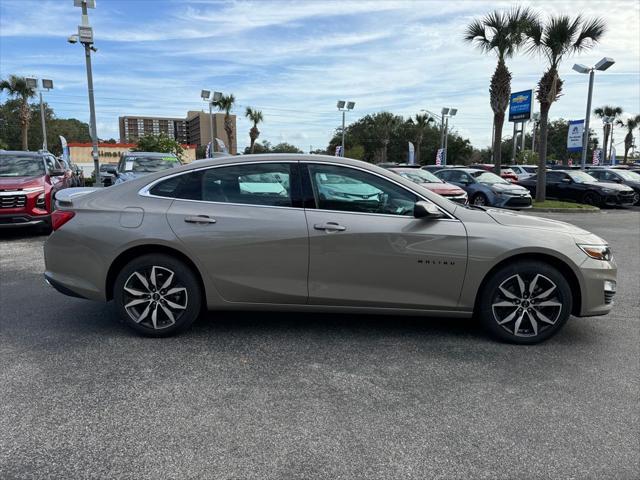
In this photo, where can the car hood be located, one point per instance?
(618, 187)
(503, 187)
(512, 219)
(126, 176)
(20, 183)
(443, 188)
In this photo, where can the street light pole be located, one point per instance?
(44, 126)
(342, 148)
(602, 65)
(344, 106)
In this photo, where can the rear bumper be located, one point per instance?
(18, 220)
(60, 287)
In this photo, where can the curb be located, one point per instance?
(564, 210)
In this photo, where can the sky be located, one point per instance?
(294, 60)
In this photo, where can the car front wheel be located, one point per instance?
(479, 199)
(157, 295)
(525, 302)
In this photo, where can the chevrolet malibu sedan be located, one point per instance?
(433, 183)
(168, 245)
(486, 188)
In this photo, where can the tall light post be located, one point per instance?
(46, 85)
(602, 65)
(85, 37)
(444, 135)
(344, 107)
(206, 94)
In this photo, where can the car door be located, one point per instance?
(246, 224)
(367, 249)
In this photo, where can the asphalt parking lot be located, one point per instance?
(284, 396)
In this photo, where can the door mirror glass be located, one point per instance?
(56, 172)
(426, 210)
(566, 180)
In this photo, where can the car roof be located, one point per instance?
(24, 153)
(468, 170)
(149, 154)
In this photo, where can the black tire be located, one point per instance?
(158, 298)
(531, 317)
(592, 198)
(480, 199)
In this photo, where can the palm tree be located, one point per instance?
(501, 33)
(382, 126)
(631, 124)
(603, 112)
(225, 104)
(254, 116)
(556, 39)
(17, 87)
(421, 127)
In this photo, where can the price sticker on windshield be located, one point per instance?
(128, 166)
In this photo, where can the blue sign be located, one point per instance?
(520, 106)
(574, 135)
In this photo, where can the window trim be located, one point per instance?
(295, 173)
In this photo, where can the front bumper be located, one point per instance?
(598, 287)
(516, 202)
(620, 200)
(23, 220)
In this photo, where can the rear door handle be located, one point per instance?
(199, 219)
(330, 227)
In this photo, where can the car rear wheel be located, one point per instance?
(525, 302)
(157, 295)
(479, 199)
(592, 198)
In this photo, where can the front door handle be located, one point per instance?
(202, 219)
(330, 227)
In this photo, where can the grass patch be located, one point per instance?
(560, 204)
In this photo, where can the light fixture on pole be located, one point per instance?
(46, 85)
(344, 107)
(206, 96)
(602, 65)
(444, 138)
(85, 37)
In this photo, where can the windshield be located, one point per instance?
(149, 164)
(21, 166)
(419, 176)
(581, 177)
(487, 177)
(530, 169)
(632, 176)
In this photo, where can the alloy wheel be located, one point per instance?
(527, 305)
(479, 200)
(154, 297)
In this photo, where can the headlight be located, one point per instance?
(608, 191)
(599, 252)
(40, 201)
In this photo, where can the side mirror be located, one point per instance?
(56, 172)
(566, 180)
(426, 210)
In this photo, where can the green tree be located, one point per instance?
(225, 104)
(382, 126)
(159, 143)
(614, 113)
(556, 39)
(17, 87)
(285, 147)
(500, 33)
(631, 124)
(255, 116)
(421, 129)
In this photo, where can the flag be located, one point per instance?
(439, 156)
(412, 154)
(614, 160)
(338, 151)
(207, 152)
(65, 149)
(597, 152)
(221, 146)
(570, 162)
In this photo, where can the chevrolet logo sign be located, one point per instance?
(519, 99)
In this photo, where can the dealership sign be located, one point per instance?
(574, 136)
(520, 106)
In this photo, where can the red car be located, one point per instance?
(433, 183)
(28, 183)
(505, 173)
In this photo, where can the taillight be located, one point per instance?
(60, 217)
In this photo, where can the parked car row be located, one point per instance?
(136, 164)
